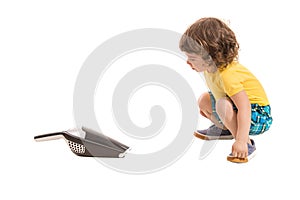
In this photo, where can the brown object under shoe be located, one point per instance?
(237, 160)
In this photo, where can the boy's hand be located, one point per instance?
(240, 149)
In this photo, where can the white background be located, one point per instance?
(42, 48)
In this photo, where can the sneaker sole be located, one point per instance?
(205, 137)
(240, 160)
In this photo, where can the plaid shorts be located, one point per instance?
(261, 118)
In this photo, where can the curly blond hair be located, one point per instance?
(212, 39)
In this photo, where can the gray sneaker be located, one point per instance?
(213, 133)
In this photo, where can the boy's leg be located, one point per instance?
(217, 131)
(228, 115)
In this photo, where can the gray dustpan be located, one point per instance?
(94, 144)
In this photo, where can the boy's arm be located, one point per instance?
(241, 101)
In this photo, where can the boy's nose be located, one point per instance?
(190, 64)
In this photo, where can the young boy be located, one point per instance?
(236, 103)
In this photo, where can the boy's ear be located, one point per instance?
(190, 64)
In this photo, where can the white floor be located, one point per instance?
(42, 48)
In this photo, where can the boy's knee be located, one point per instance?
(204, 101)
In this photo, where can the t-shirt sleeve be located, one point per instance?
(232, 83)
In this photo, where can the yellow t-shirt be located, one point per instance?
(233, 79)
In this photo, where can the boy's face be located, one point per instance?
(196, 62)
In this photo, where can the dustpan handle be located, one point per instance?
(49, 136)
